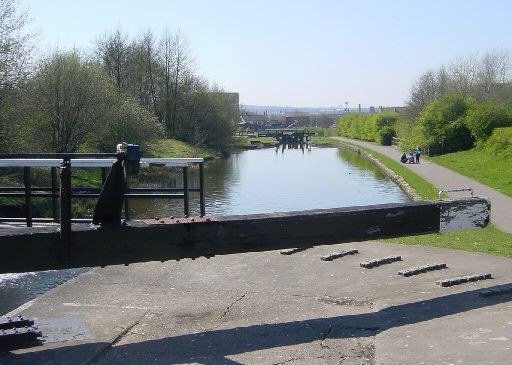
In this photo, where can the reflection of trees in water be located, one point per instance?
(356, 160)
(221, 173)
(239, 174)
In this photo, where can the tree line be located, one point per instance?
(127, 89)
(450, 109)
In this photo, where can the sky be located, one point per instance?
(295, 53)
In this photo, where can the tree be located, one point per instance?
(15, 52)
(15, 43)
(423, 92)
(441, 124)
(480, 78)
(143, 70)
(125, 120)
(60, 104)
(113, 50)
(383, 127)
(482, 118)
(177, 64)
(210, 118)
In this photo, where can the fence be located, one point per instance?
(103, 161)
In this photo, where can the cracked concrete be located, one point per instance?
(266, 308)
(232, 304)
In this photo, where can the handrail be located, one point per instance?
(89, 162)
(454, 190)
(38, 160)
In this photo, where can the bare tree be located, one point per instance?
(142, 71)
(15, 43)
(113, 50)
(464, 73)
(178, 66)
(423, 92)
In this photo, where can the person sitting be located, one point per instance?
(403, 159)
(411, 157)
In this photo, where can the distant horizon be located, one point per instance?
(291, 108)
(321, 54)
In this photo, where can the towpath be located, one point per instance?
(445, 179)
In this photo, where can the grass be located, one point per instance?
(487, 240)
(422, 187)
(266, 140)
(318, 139)
(168, 148)
(480, 165)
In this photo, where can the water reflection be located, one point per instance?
(292, 146)
(277, 179)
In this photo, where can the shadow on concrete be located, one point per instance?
(212, 347)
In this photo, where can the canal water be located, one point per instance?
(255, 181)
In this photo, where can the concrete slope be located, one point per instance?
(444, 179)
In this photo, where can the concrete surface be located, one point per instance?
(445, 179)
(267, 308)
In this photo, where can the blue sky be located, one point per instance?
(296, 53)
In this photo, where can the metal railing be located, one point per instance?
(96, 160)
(454, 190)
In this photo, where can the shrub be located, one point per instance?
(441, 125)
(482, 118)
(500, 142)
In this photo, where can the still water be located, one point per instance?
(277, 180)
(255, 181)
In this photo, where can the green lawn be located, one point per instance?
(493, 171)
(487, 240)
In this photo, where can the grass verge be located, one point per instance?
(422, 187)
(480, 165)
(489, 240)
(318, 139)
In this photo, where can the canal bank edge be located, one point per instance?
(397, 179)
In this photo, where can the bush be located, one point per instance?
(441, 125)
(500, 142)
(370, 127)
(126, 121)
(482, 118)
(385, 136)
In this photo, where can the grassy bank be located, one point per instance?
(487, 240)
(422, 187)
(172, 148)
(480, 165)
(319, 139)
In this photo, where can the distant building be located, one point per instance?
(233, 98)
(255, 119)
(254, 122)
